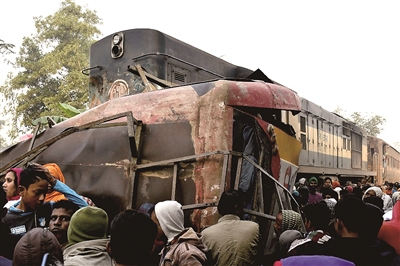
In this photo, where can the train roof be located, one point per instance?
(253, 94)
(332, 118)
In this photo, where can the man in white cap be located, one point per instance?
(302, 183)
(184, 246)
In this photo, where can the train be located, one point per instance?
(170, 121)
(384, 160)
(335, 147)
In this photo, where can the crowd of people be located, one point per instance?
(358, 223)
(44, 222)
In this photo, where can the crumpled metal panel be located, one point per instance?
(262, 95)
(178, 122)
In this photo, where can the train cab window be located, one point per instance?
(302, 124)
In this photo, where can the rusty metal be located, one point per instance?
(261, 191)
(179, 60)
(259, 214)
(238, 173)
(161, 82)
(180, 159)
(176, 144)
(50, 121)
(147, 84)
(224, 173)
(90, 68)
(40, 148)
(174, 178)
(34, 136)
(199, 206)
(174, 162)
(279, 197)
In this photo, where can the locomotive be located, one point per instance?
(334, 146)
(170, 121)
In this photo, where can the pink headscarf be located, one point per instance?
(349, 189)
(17, 172)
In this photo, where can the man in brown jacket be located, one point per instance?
(232, 241)
(184, 246)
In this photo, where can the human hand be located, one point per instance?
(41, 172)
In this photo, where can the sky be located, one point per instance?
(339, 53)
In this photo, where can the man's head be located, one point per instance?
(288, 220)
(329, 193)
(31, 248)
(231, 202)
(374, 220)
(303, 195)
(60, 219)
(33, 187)
(374, 200)
(132, 238)
(313, 184)
(168, 216)
(350, 215)
(317, 216)
(146, 208)
(87, 223)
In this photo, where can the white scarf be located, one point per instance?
(170, 216)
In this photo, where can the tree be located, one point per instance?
(50, 64)
(371, 124)
(6, 48)
(68, 110)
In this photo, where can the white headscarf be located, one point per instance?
(395, 197)
(378, 192)
(387, 201)
(170, 216)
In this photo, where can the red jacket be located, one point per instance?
(390, 230)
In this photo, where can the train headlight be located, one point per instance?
(117, 45)
(117, 39)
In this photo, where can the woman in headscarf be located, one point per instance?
(56, 172)
(286, 221)
(55, 196)
(376, 191)
(10, 186)
(395, 197)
